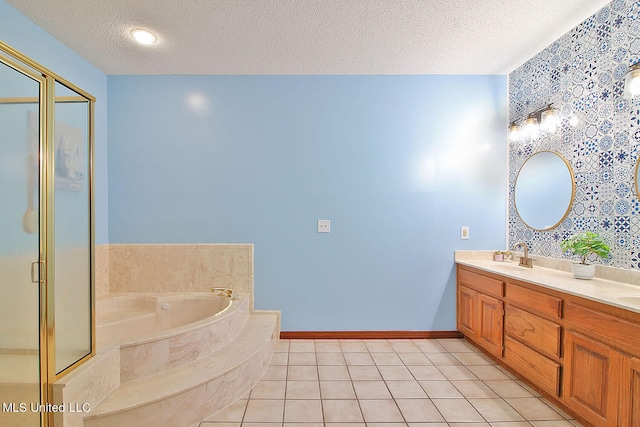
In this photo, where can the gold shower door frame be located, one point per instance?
(47, 102)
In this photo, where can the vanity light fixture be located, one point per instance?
(531, 127)
(514, 132)
(546, 119)
(549, 119)
(632, 80)
(143, 36)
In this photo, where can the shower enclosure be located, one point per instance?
(46, 236)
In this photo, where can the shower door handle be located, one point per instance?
(36, 271)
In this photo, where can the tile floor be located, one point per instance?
(387, 383)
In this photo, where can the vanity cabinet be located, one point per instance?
(481, 310)
(583, 354)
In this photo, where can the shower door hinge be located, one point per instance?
(37, 272)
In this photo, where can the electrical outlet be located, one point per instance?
(324, 226)
(464, 232)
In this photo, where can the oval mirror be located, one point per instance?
(544, 190)
(635, 178)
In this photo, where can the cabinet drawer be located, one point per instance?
(536, 332)
(534, 301)
(610, 329)
(541, 371)
(485, 284)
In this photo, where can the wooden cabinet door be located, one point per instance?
(490, 324)
(591, 379)
(630, 393)
(467, 311)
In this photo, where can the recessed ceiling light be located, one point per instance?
(143, 36)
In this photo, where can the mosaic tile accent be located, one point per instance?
(582, 74)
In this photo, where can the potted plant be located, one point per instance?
(583, 245)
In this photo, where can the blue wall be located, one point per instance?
(397, 163)
(23, 35)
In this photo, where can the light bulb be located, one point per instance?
(514, 132)
(549, 120)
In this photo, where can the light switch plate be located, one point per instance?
(464, 232)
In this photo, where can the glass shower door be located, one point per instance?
(19, 248)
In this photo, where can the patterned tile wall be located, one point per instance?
(582, 74)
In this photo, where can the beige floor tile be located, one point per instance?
(443, 359)
(406, 390)
(233, 412)
(554, 423)
(261, 424)
(303, 390)
(429, 346)
(305, 346)
(457, 373)
(218, 424)
(344, 424)
(414, 359)
(275, 373)
(268, 390)
(469, 425)
(384, 411)
(302, 411)
(494, 410)
(327, 359)
(302, 373)
(534, 409)
(440, 389)
(328, 373)
(328, 346)
(386, 359)
(508, 388)
(474, 389)
(387, 425)
(378, 346)
(364, 373)
(390, 373)
(341, 411)
(303, 424)
(280, 359)
(426, 373)
(302, 358)
(353, 346)
(371, 390)
(457, 410)
(514, 424)
(469, 359)
(404, 346)
(337, 390)
(457, 345)
(418, 410)
(488, 372)
(264, 411)
(427, 425)
(282, 346)
(358, 359)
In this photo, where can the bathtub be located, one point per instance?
(158, 331)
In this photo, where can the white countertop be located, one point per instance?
(620, 293)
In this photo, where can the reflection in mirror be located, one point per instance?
(544, 190)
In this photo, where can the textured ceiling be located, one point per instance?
(309, 36)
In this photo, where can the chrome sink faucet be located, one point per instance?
(525, 261)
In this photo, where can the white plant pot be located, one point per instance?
(583, 271)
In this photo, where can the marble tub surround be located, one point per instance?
(101, 264)
(180, 268)
(179, 346)
(613, 286)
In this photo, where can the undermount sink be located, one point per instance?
(633, 300)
